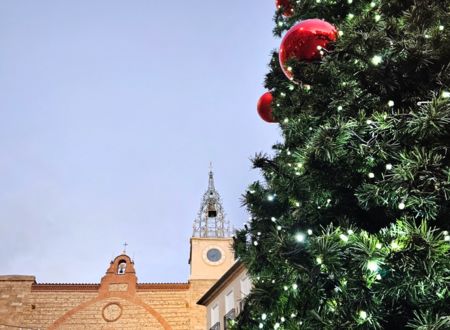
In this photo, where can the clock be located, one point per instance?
(213, 255)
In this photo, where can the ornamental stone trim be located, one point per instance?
(112, 312)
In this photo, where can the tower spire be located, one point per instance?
(210, 221)
(211, 178)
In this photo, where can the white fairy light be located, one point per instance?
(300, 237)
(371, 175)
(339, 108)
(389, 167)
(263, 316)
(391, 103)
(372, 265)
(276, 325)
(377, 59)
(295, 286)
(378, 246)
(401, 206)
(445, 94)
(278, 227)
(273, 219)
(363, 315)
(270, 198)
(261, 325)
(319, 260)
(309, 231)
(343, 237)
(255, 243)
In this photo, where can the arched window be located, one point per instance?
(122, 267)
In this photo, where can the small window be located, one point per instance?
(212, 214)
(122, 267)
(229, 301)
(245, 287)
(214, 314)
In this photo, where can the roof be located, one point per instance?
(221, 283)
(96, 286)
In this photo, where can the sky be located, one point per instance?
(110, 112)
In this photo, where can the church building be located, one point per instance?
(119, 301)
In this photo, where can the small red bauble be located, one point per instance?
(265, 107)
(304, 42)
(287, 7)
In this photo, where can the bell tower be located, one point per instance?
(211, 242)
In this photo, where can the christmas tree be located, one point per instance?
(349, 226)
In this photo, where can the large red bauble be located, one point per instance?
(265, 107)
(286, 5)
(304, 41)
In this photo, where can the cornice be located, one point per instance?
(95, 286)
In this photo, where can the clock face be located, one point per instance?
(214, 255)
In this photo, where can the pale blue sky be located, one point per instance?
(110, 112)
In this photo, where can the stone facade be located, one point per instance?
(118, 302)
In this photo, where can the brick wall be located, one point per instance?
(28, 305)
(14, 291)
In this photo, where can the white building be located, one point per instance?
(224, 300)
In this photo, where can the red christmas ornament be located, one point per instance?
(287, 7)
(304, 42)
(265, 107)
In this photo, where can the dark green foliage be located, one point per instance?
(349, 227)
